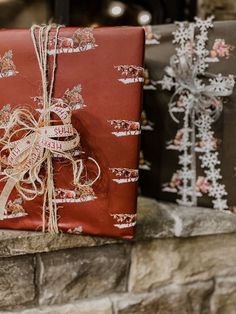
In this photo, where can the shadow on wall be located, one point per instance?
(24, 13)
(221, 9)
(21, 14)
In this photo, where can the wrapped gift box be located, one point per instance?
(99, 77)
(165, 130)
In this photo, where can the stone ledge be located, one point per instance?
(165, 220)
(98, 306)
(155, 220)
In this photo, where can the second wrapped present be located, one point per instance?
(189, 153)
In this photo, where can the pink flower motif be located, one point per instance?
(148, 32)
(216, 102)
(178, 138)
(202, 185)
(221, 49)
(175, 181)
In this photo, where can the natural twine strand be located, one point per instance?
(41, 47)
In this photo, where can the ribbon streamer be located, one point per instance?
(27, 161)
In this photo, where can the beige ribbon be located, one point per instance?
(32, 153)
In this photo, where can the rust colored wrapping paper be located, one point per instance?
(99, 74)
(159, 164)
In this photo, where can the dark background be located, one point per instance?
(23, 13)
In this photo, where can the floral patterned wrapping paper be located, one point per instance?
(162, 154)
(99, 78)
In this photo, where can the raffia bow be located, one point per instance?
(28, 159)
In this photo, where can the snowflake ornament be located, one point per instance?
(185, 159)
(221, 85)
(217, 191)
(185, 174)
(182, 34)
(204, 25)
(209, 160)
(220, 204)
(213, 175)
(167, 82)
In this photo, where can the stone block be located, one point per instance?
(224, 298)
(173, 299)
(16, 282)
(74, 274)
(180, 261)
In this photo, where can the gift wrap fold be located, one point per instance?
(69, 125)
(189, 119)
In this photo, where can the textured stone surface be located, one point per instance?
(224, 297)
(166, 261)
(16, 282)
(161, 220)
(170, 270)
(166, 276)
(174, 299)
(155, 220)
(81, 273)
(99, 306)
(27, 242)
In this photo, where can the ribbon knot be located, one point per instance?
(184, 76)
